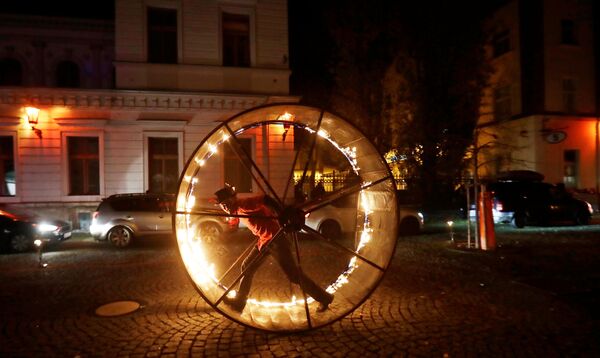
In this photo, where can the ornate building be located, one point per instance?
(541, 110)
(90, 108)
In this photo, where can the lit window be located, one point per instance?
(501, 43)
(236, 174)
(67, 74)
(11, 72)
(7, 166)
(568, 86)
(236, 40)
(502, 103)
(163, 165)
(84, 165)
(567, 30)
(571, 165)
(162, 35)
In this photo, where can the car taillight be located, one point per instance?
(233, 221)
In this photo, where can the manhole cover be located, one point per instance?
(117, 308)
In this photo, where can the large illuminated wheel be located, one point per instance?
(339, 215)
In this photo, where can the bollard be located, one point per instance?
(486, 221)
(38, 244)
(450, 223)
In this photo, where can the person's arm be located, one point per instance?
(272, 204)
(254, 203)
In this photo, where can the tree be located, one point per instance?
(411, 74)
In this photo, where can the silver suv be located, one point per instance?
(122, 217)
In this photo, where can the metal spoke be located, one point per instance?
(250, 164)
(291, 176)
(335, 244)
(295, 238)
(313, 205)
(312, 147)
(261, 254)
(223, 214)
(242, 255)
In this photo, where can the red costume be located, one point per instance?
(260, 226)
(262, 222)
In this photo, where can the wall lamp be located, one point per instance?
(31, 116)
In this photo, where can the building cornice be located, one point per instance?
(133, 100)
(553, 115)
(45, 22)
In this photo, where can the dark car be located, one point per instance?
(18, 232)
(531, 202)
(122, 217)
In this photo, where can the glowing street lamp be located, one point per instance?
(31, 117)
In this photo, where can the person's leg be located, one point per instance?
(249, 267)
(283, 254)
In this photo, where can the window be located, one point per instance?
(84, 165)
(502, 103)
(236, 40)
(567, 31)
(571, 165)
(501, 43)
(7, 166)
(162, 35)
(67, 74)
(163, 164)
(568, 87)
(236, 173)
(11, 72)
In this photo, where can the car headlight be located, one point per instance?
(590, 208)
(44, 228)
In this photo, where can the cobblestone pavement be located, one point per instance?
(435, 300)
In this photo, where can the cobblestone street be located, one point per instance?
(535, 296)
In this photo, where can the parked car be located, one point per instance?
(336, 218)
(121, 218)
(340, 217)
(533, 202)
(411, 221)
(54, 230)
(18, 232)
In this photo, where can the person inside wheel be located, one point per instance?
(260, 218)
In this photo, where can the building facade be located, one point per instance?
(541, 109)
(90, 108)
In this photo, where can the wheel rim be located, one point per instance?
(330, 229)
(210, 232)
(20, 243)
(520, 220)
(295, 141)
(119, 236)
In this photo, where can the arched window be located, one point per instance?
(11, 72)
(67, 74)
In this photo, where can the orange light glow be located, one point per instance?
(31, 115)
(286, 117)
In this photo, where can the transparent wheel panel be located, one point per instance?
(285, 151)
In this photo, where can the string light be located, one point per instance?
(203, 271)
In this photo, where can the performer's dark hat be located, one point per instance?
(224, 193)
